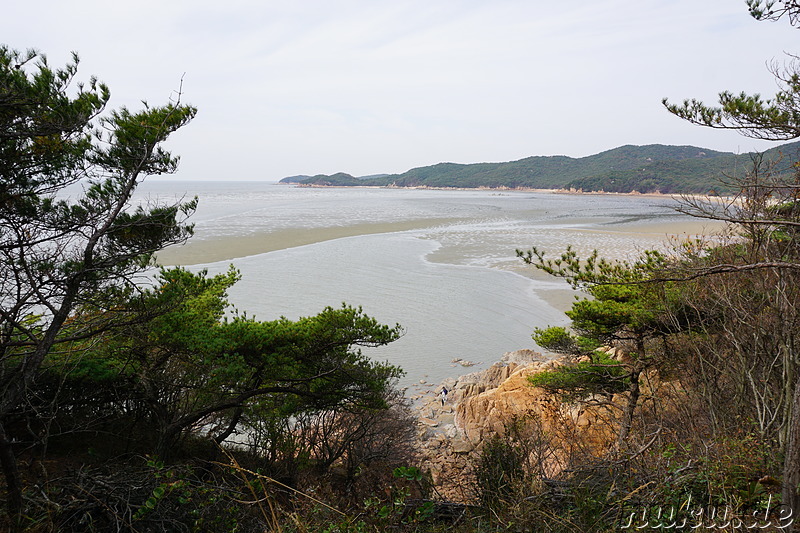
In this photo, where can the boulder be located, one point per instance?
(570, 426)
(461, 446)
(485, 402)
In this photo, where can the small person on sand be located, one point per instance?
(444, 395)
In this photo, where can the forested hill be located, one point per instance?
(651, 168)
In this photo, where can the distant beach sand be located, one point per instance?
(200, 249)
(620, 237)
(203, 249)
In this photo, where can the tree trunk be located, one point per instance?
(237, 415)
(11, 473)
(791, 462)
(167, 437)
(633, 393)
(630, 408)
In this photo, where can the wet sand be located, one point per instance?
(669, 234)
(200, 250)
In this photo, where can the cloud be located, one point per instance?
(365, 87)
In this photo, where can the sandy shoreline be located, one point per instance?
(201, 250)
(614, 241)
(225, 248)
(204, 249)
(520, 189)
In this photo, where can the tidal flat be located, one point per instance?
(440, 263)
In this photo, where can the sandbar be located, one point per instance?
(209, 249)
(201, 249)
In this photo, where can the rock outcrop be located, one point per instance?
(483, 404)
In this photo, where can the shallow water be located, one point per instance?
(454, 282)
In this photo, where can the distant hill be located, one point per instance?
(651, 168)
(294, 179)
(351, 180)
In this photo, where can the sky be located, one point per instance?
(382, 86)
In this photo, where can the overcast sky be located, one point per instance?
(373, 86)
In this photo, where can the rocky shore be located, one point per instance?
(449, 433)
(481, 404)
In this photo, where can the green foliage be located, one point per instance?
(653, 168)
(625, 304)
(500, 471)
(776, 118)
(59, 251)
(44, 132)
(774, 10)
(615, 312)
(601, 375)
(336, 180)
(410, 473)
(630, 307)
(556, 339)
(70, 235)
(181, 363)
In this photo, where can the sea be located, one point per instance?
(453, 281)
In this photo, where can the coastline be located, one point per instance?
(226, 248)
(446, 436)
(202, 250)
(519, 189)
(205, 249)
(449, 435)
(615, 241)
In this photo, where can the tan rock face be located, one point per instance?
(481, 415)
(489, 412)
(485, 403)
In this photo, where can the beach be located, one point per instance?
(442, 264)
(230, 247)
(613, 244)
